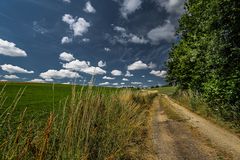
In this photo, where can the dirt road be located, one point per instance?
(179, 134)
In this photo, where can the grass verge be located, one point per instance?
(196, 103)
(91, 125)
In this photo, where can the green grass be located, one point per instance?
(168, 90)
(90, 123)
(196, 103)
(40, 99)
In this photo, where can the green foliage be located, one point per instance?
(194, 101)
(207, 57)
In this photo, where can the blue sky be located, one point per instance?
(119, 42)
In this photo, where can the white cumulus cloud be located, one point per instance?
(128, 74)
(86, 40)
(67, 18)
(138, 65)
(37, 81)
(14, 69)
(11, 77)
(64, 56)
(172, 6)
(78, 25)
(66, 40)
(76, 65)
(125, 79)
(108, 78)
(84, 66)
(159, 73)
(104, 83)
(126, 37)
(136, 83)
(119, 29)
(89, 8)
(67, 83)
(102, 64)
(164, 32)
(116, 73)
(49, 80)
(61, 74)
(10, 49)
(137, 40)
(67, 1)
(93, 70)
(129, 7)
(107, 49)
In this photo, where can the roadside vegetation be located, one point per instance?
(89, 123)
(168, 90)
(204, 64)
(196, 103)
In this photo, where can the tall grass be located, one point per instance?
(219, 114)
(193, 100)
(92, 125)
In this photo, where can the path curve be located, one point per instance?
(192, 138)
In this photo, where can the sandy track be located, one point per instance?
(193, 138)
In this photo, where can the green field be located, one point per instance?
(40, 99)
(73, 122)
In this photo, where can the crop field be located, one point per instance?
(46, 121)
(40, 99)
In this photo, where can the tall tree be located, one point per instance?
(207, 57)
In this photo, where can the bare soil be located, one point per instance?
(189, 136)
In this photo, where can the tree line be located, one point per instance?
(206, 59)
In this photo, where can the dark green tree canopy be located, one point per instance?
(207, 57)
